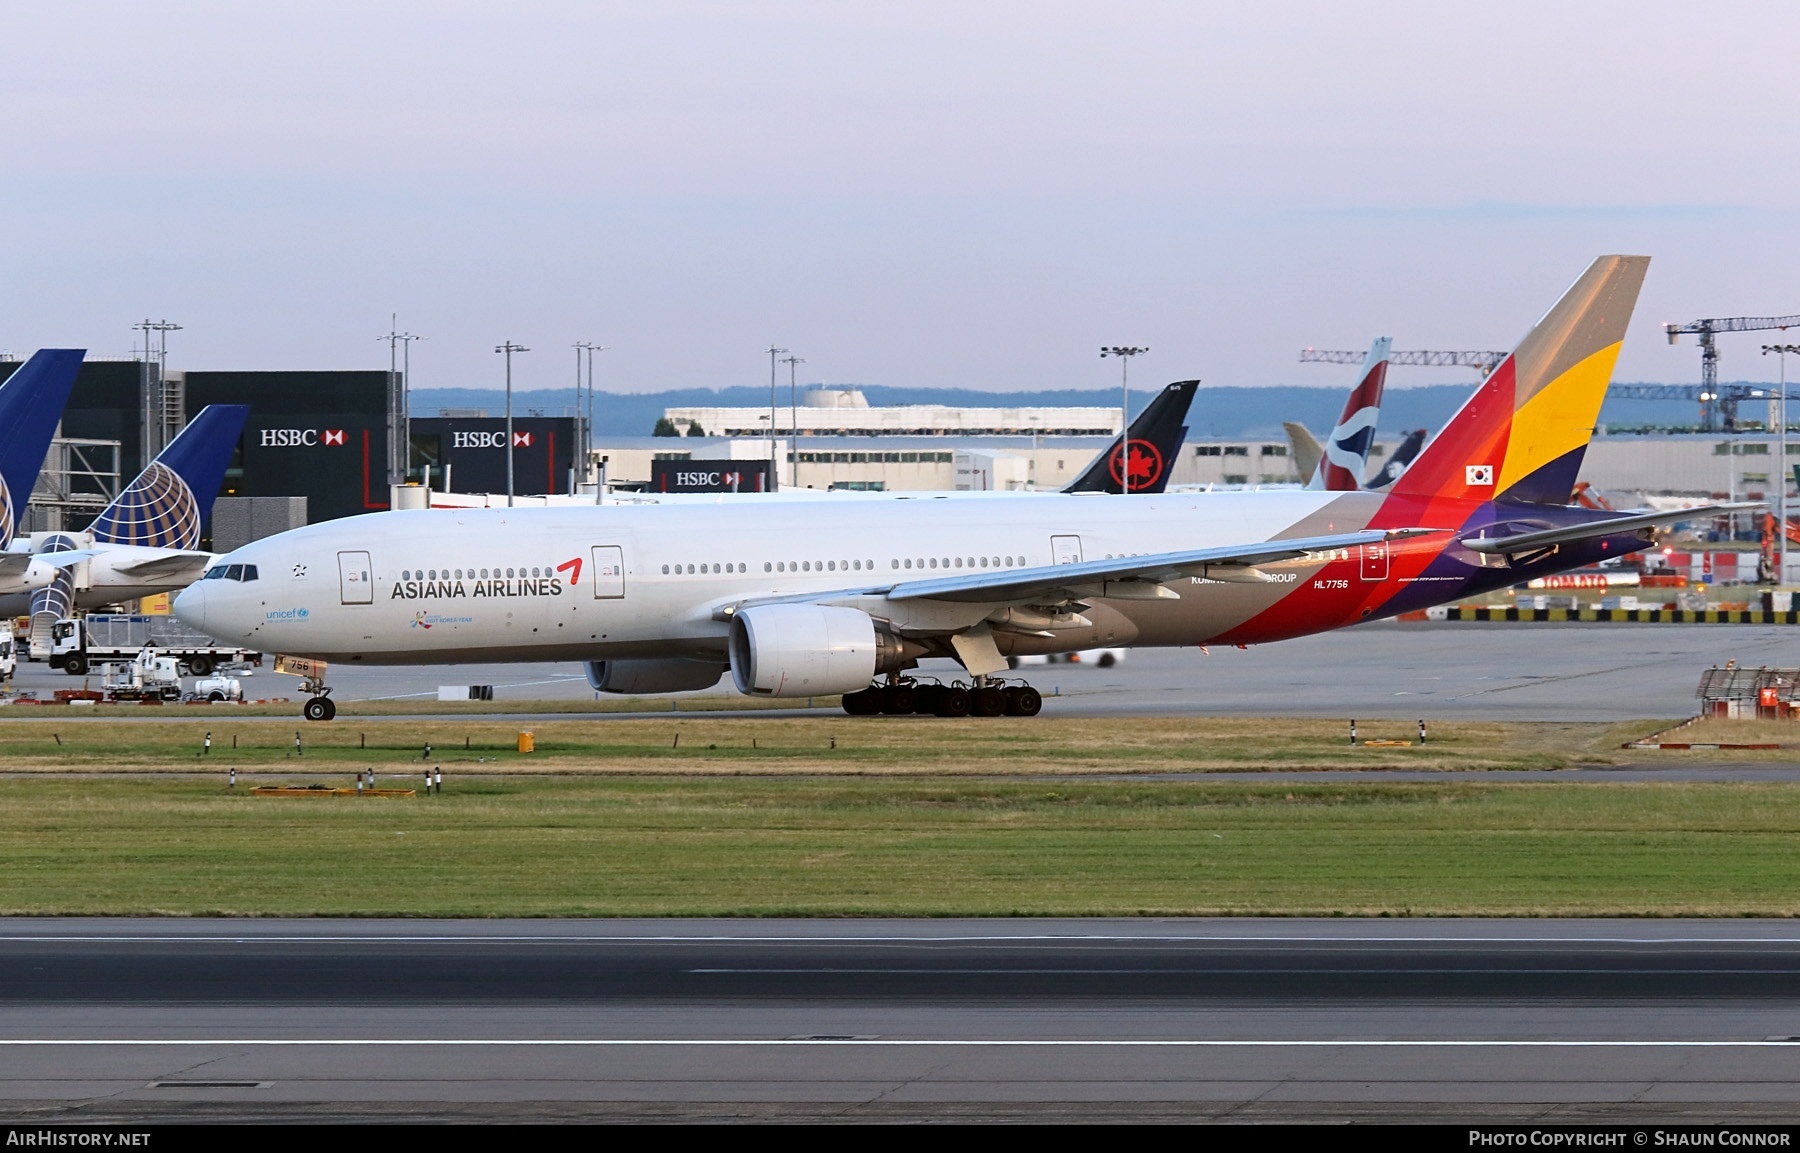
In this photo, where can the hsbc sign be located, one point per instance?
(488, 440)
(302, 437)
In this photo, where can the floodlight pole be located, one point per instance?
(794, 415)
(1124, 353)
(399, 400)
(774, 469)
(1781, 470)
(586, 437)
(508, 349)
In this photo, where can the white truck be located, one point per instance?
(77, 644)
(9, 661)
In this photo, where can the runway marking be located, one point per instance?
(1048, 938)
(1008, 971)
(898, 1043)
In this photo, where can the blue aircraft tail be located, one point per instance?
(1155, 439)
(170, 500)
(31, 402)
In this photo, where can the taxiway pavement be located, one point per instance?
(1041, 1019)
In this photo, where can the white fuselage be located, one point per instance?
(614, 582)
(102, 579)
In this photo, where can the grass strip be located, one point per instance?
(898, 846)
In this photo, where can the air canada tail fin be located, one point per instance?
(1398, 461)
(1156, 437)
(31, 404)
(1346, 450)
(167, 503)
(1522, 436)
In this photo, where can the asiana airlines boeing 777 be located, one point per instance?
(797, 600)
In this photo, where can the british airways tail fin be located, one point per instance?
(31, 403)
(1156, 437)
(1346, 450)
(1522, 436)
(167, 503)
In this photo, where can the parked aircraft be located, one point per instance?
(826, 600)
(31, 405)
(1340, 464)
(146, 541)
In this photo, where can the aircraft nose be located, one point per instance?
(190, 606)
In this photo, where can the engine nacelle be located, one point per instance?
(669, 675)
(807, 650)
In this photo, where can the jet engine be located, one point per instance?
(667, 675)
(808, 650)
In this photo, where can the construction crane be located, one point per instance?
(1718, 410)
(1482, 362)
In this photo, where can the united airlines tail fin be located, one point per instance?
(1155, 440)
(31, 404)
(1304, 448)
(1523, 434)
(1346, 450)
(167, 503)
(1398, 461)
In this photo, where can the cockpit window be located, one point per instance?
(230, 572)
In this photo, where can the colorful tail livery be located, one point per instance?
(1145, 455)
(1346, 451)
(1522, 436)
(168, 502)
(31, 404)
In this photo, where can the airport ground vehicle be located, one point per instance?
(9, 661)
(1099, 658)
(80, 643)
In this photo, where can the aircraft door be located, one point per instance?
(609, 572)
(1065, 550)
(1375, 561)
(356, 584)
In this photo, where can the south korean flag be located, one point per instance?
(1478, 475)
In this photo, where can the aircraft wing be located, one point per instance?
(1587, 530)
(167, 566)
(1124, 577)
(63, 558)
(1227, 563)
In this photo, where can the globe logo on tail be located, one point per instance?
(6, 515)
(1139, 460)
(157, 510)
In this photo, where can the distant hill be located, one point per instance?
(1225, 412)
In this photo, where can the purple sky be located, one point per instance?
(925, 194)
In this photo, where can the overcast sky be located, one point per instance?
(919, 193)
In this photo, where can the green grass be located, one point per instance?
(873, 845)
(830, 744)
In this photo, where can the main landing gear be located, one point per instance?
(985, 698)
(319, 708)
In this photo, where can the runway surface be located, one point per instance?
(1240, 1020)
(1384, 669)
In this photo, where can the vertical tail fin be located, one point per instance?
(31, 404)
(1155, 438)
(1347, 448)
(167, 503)
(1522, 436)
(1398, 461)
(1304, 449)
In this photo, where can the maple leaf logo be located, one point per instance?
(1139, 461)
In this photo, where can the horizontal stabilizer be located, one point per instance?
(1594, 529)
(167, 565)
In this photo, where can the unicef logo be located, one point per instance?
(157, 510)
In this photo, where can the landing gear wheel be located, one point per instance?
(953, 702)
(75, 665)
(200, 666)
(319, 709)
(898, 700)
(987, 701)
(865, 703)
(1023, 701)
(926, 698)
